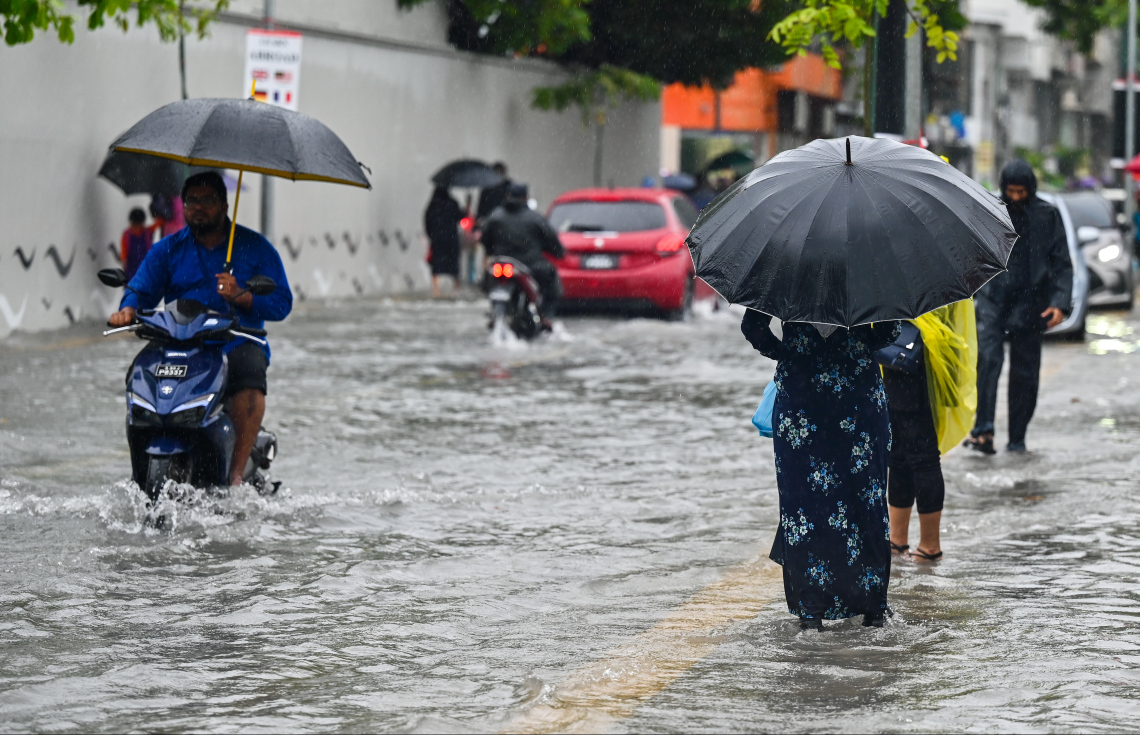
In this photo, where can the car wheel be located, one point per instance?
(681, 314)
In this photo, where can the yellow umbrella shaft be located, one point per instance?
(233, 223)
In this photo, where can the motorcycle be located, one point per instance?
(516, 300)
(177, 424)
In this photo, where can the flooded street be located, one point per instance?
(474, 536)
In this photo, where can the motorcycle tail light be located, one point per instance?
(670, 244)
(497, 270)
(467, 223)
(508, 270)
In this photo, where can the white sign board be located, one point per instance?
(273, 65)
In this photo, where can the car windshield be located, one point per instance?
(619, 216)
(1090, 210)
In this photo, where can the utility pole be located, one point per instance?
(1130, 114)
(182, 50)
(267, 180)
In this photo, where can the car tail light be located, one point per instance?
(670, 244)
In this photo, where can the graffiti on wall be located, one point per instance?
(54, 286)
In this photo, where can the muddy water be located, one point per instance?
(464, 523)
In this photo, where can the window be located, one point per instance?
(686, 212)
(617, 216)
(1091, 210)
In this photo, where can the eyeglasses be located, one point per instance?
(210, 201)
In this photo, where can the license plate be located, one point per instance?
(170, 371)
(599, 262)
(500, 294)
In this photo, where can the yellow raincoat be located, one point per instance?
(950, 341)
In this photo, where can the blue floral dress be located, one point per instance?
(832, 439)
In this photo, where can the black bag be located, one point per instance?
(905, 353)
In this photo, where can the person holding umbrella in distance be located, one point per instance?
(840, 239)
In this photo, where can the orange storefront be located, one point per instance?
(750, 104)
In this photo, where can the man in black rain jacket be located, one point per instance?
(1033, 295)
(516, 231)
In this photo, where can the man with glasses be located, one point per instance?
(190, 264)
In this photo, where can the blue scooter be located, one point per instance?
(177, 425)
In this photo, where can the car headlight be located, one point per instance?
(1106, 254)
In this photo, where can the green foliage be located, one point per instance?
(23, 18)
(693, 42)
(595, 91)
(521, 26)
(1081, 20)
(836, 23)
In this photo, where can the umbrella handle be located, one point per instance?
(233, 223)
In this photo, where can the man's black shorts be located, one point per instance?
(248, 364)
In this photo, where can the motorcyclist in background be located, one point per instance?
(516, 231)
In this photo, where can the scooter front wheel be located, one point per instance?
(169, 467)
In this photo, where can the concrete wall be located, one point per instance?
(384, 80)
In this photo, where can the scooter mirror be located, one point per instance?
(261, 285)
(113, 277)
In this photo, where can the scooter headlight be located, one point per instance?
(191, 413)
(142, 411)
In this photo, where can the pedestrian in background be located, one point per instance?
(492, 197)
(1032, 295)
(168, 214)
(932, 402)
(441, 223)
(831, 438)
(136, 242)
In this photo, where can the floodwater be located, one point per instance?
(465, 526)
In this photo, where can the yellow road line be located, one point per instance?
(597, 695)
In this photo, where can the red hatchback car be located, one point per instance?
(625, 250)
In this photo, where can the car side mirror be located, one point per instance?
(1087, 234)
(113, 277)
(261, 285)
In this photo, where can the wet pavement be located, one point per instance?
(478, 536)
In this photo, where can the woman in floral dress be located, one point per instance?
(832, 441)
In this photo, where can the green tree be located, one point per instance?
(1081, 20)
(23, 18)
(834, 25)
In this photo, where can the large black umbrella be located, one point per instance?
(851, 231)
(245, 135)
(467, 173)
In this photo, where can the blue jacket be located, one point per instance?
(179, 267)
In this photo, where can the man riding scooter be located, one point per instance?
(516, 231)
(191, 264)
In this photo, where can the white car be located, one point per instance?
(1074, 325)
(1108, 254)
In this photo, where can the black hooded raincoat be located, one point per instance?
(1039, 273)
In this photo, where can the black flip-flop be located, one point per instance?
(917, 555)
(983, 444)
(900, 548)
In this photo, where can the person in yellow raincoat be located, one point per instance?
(931, 411)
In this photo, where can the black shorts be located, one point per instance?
(247, 367)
